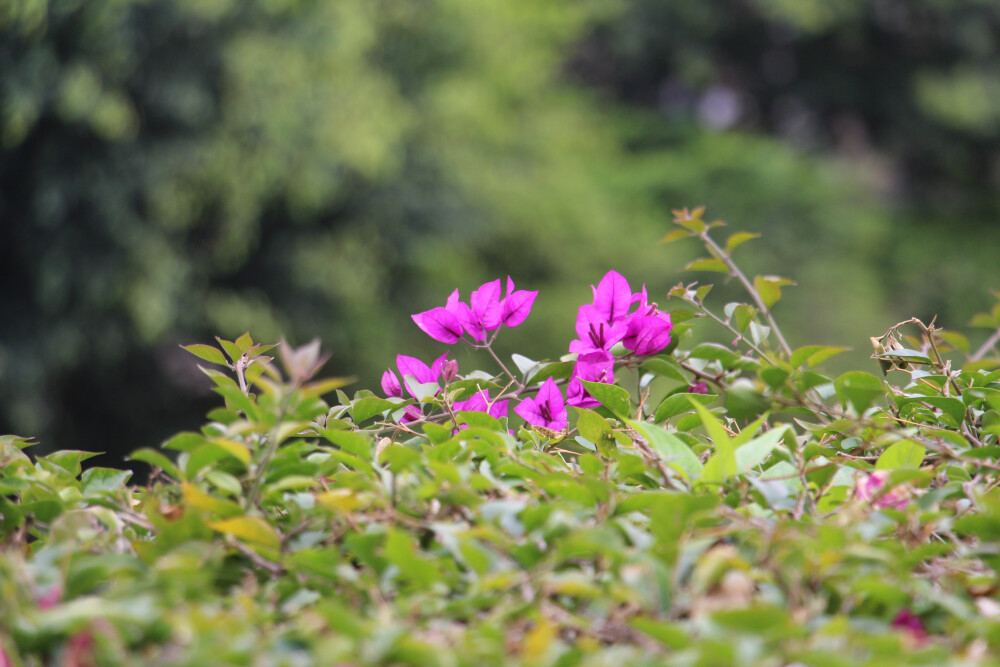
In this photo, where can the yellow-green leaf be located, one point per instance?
(739, 238)
(769, 292)
(249, 529)
(340, 500)
(237, 449)
(675, 235)
(206, 353)
(195, 497)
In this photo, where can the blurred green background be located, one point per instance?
(171, 170)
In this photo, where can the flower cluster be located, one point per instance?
(616, 315)
(610, 320)
(486, 311)
(869, 487)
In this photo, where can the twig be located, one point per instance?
(739, 275)
(257, 559)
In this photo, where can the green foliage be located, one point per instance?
(830, 520)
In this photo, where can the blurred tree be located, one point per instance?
(176, 169)
(905, 93)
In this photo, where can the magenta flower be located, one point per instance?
(648, 327)
(868, 487)
(592, 367)
(698, 388)
(481, 402)
(547, 409)
(607, 321)
(595, 333)
(516, 306)
(612, 296)
(911, 624)
(48, 600)
(485, 312)
(441, 324)
(411, 367)
(390, 384)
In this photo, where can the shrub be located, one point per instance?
(644, 499)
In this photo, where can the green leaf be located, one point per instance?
(668, 634)
(773, 376)
(675, 235)
(720, 467)
(907, 355)
(401, 550)
(595, 428)
(672, 450)
(753, 453)
(235, 398)
(664, 367)
(155, 458)
(206, 353)
(716, 433)
(232, 350)
(70, 459)
(558, 370)
(290, 483)
(953, 407)
(400, 458)
(680, 403)
(754, 620)
(902, 454)
(225, 481)
(437, 433)
(858, 388)
(744, 401)
(366, 408)
(103, 480)
(722, 464)
(351, 442)
(742, 316)
(206, 455)
(244, 343)
(185, 441)
(611, 396)
(769, 288)
(738, 239)
(707, 264)
(768, 291)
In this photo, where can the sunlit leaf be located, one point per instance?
(207, 353)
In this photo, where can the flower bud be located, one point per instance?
(449, 370)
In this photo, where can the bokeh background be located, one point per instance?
(172, 170)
